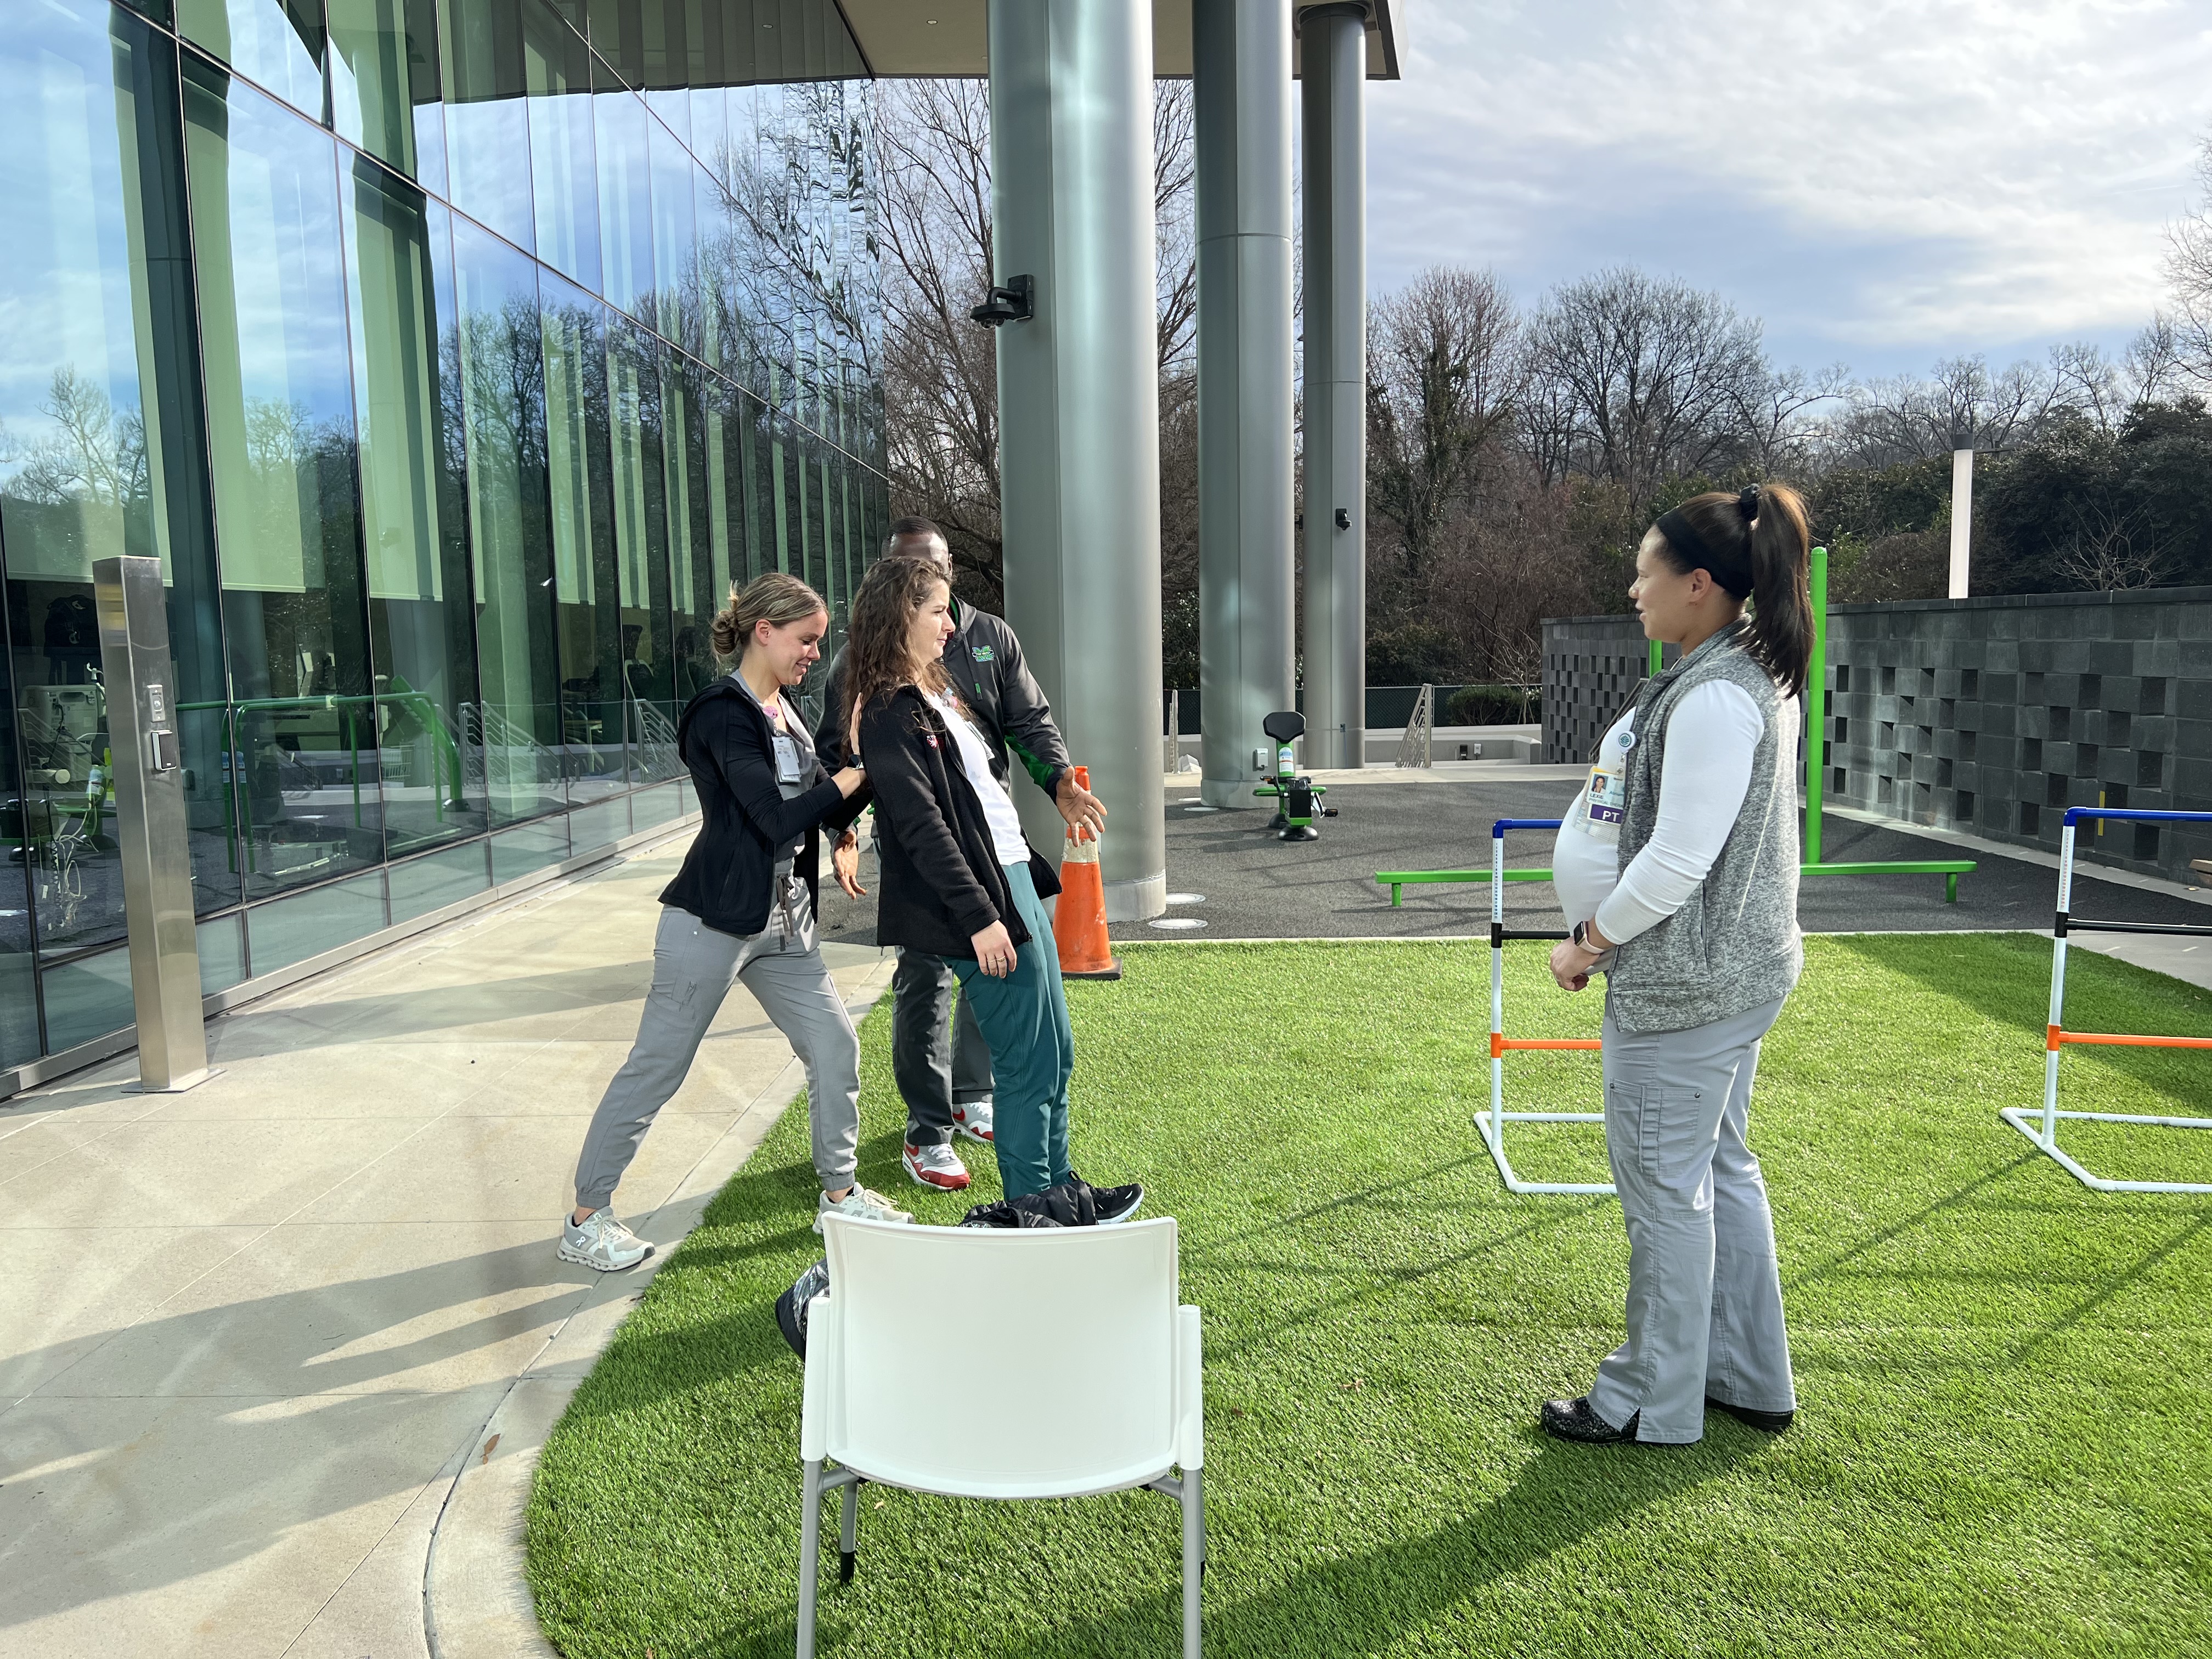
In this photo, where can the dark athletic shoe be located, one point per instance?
(1114, 1205)
(1765, 1422)
(1573, 1419)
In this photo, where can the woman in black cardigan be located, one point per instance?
(958, 880)
(739, 910)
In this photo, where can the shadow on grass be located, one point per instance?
(1365, 1601)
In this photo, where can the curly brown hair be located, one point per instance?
(876, 661)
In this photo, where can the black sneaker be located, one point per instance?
(1575, 1419)
(1751, 1417)
(1114, 1205)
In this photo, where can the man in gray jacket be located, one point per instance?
(945, 1078)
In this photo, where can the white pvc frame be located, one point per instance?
(2045, 1136)
(1493, 1122)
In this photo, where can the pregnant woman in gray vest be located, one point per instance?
(1678, 867)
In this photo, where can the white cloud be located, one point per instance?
(1876, 179)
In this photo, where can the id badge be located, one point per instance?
(787, 759)
(1605, 797)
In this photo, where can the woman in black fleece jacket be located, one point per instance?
(959, 880)
(738, 910)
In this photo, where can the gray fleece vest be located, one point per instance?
(1734, 944)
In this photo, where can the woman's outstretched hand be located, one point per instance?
(994, 950)
(845, 862)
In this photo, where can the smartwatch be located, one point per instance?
(1581, 942)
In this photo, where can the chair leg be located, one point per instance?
(1193, 1557)
(848, 1533)
(810, 1554)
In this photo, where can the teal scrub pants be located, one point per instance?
(1023, 1017)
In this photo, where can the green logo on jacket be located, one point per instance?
(982, 652)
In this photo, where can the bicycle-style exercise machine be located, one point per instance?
(1299, 798)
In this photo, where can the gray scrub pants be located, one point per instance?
(1705, 1292)
(933, 1073)
(693, 967)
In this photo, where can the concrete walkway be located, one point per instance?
(250, 1335)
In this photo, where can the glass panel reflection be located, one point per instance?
(100, 407)
(640, 494)
(585, 579)
(384, 84)
(619, 124)
(276, 44)
(399, 283)
(514, 733)
(564, 175)
(302, 743)
(487, 118)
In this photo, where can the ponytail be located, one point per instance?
(1755, 544)
(1781, 551)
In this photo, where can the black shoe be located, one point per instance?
(1766, 1422)
(1114, 1205)
(1573, 1419)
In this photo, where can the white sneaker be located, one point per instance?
(602, 1242)
(936, 1166)
(973, 1119)
(861, 1204)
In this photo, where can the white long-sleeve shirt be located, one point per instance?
(1710, 742)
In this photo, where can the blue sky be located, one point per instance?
(1885, 184)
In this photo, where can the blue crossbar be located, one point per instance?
(2079, 814)
(1497, 829)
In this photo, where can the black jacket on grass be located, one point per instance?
(941, 882)
(728, 876)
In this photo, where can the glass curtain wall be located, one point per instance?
(455, 358)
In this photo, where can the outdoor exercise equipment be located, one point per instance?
(1299, 797)
(1816, 717)
(2044, 1134)
(1493, 1122)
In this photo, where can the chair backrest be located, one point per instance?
(1059, 1347)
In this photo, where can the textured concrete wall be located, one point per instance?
(1988, 715)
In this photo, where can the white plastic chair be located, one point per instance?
(1071, 1341)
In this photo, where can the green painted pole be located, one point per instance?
(1816, 707)
(1655, 657)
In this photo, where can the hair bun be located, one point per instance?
(1747, 503)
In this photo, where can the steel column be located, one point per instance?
(1079, 407)
(143, 728)
(1333, 66)
(1241, 82)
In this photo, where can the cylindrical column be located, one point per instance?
(1079, 407)
(1333, 66)
(1962, 518)
(1247, 576)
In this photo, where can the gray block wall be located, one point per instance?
(1987, 716)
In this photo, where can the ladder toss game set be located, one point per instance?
(2041, 1128)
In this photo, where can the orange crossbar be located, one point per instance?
(2058, 1036)
(1499, 1044)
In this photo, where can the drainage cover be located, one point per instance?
(1178, 923)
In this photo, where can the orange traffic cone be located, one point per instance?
(1079, 921)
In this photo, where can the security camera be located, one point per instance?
(1012, 302)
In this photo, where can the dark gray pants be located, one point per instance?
(1705, 1292)
(934, 1069)
(693, 967)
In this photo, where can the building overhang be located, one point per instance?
(951, 38)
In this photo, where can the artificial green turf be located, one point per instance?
(2002, 1445)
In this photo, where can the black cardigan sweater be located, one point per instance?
(728, 876)
(942, 883)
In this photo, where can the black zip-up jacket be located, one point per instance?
(942, 883)
(729, 875)
(993, 680)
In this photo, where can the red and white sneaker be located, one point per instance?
(936, 1166)
(973, 1119)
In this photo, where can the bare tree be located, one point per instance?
(940, 370)
(1960, 406)
(2112, 549)
(1444, 366)
(1647, 377)
(2189, 274)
